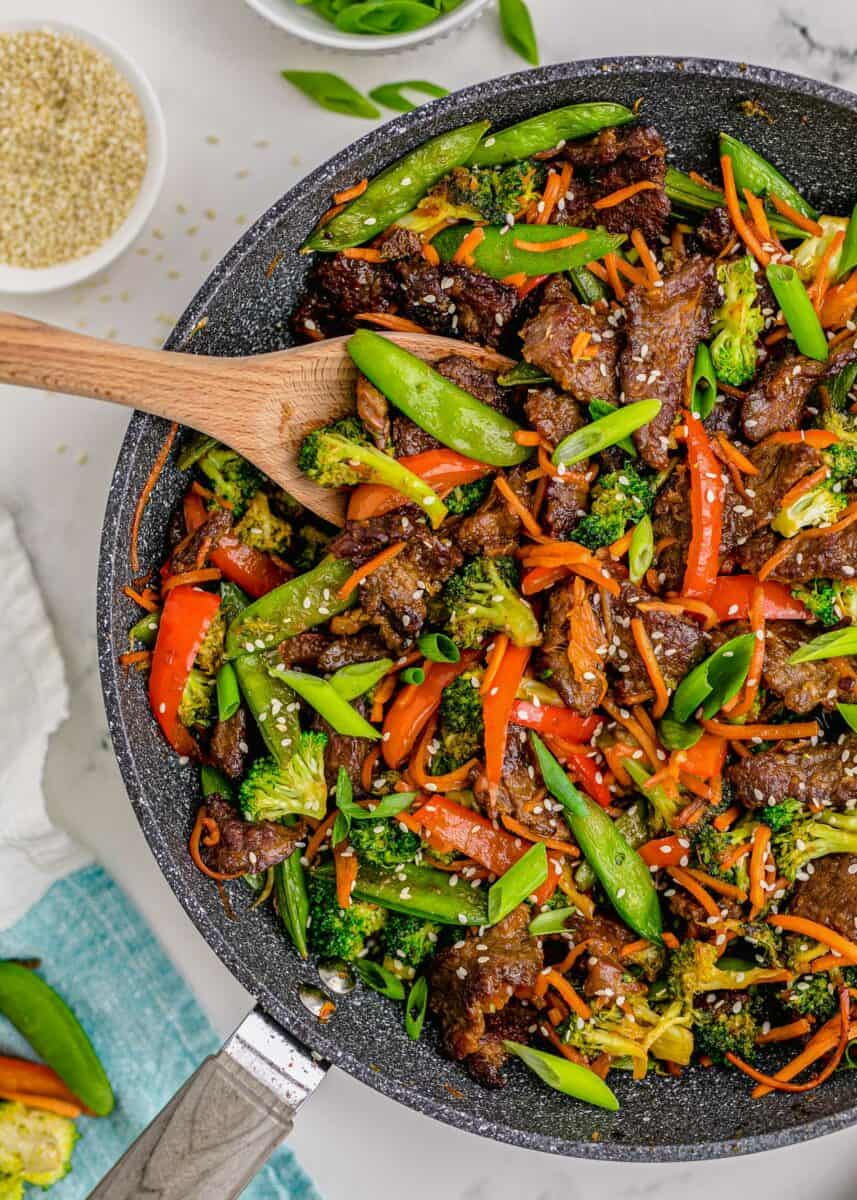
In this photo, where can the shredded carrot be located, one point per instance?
(634, 947)
(357, 577)
(826, 962)
(573, 955)
(757, 214)
(797, 218)
(351, 193)
(677, 242)
(333, 211)
(820, 933)
(736, 215)
(545, 463)
(495, 658)
(202, 818)
(670, 940)
(733, 454)
(528, 437)
(208, 494)
(579, 344)
(598, 270)
(560, 1046)
(780, 1084)
(430, 254)
(747, 699)
(143, 498)
(345, 863)
(723, 820)
(62, 1108)
(784, 1033)
(610, 266)
(625, 193)
(821, 282)
(514, 504)
(718, 885)
(573, 239)
(758, 855)
(133, 657)
(367, 770)
(190, 579)
(650, 662)
(804, 485)
(549, 199)
(560, 984)
(364, 254)
(146, 599)
(702, 181)
(464, 253)
(390, 321)
(529, 835)
(789, 545)
(620, 547)
(698, 607)
(696, 890)
(778, 335)
(636, 731)
(639, 243)
(633, 274)
(417, 767)
(318, 837)
(749, 733)
(733, 856)
(518, 280)
(819, 439)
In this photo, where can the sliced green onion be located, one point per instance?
(380, 979)
(606, 431)
(848, 257)
(357, 678)
(437, 647)
(522, 879)
(214, 783)
(388, 806)
(415, 1008)
(603, 408)
(641, 552)
(341, 829)
(332, 92)
(827, 645)
(564, 1076)
(703, 383)
(551, 922)
(714, 681)
(413, 675)
(391, 95)
(228, 695)
(326, 701)
(523, 374)
(145, 630)
(848, 712)
(676, 736)
(801, 317)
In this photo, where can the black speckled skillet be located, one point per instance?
(812, 133)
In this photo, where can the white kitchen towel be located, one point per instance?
(33, 852)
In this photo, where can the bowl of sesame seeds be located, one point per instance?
(83, 153)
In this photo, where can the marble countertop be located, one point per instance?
(238, 138)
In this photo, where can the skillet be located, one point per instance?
(810, 131)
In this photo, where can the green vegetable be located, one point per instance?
(695, 198)
(437, 405)
(415, 1009)
(848, 255)
(603, 408)
(812, 996)
(517, 26)
(397, 190)
(714, 681)
(384, 843)
(293, 607)
(228, 696)
(547, 130)
(358, 678)
(482, 597)
(800, 836)
(675, 735)
(492, 194)
(621, 872)
(523, 374)
(837, 399)
(641, 552)
(263, 529)
(380, 979)
(292, 897)
(589, 287)
(387, 806)
(808, 255)
(619, 498)
(758, 175)
(272, 790)
(722, 1032)
(627, 1035)
(824, 503)
(35, 1148)
(848, 712)
(336, 932)
(214, 783)
(55, 1033)
(499, 256)
(418, 891)
(606, 431)
(801, 317)
(737, 324)
(273, 705)
(391, 95)
(407, 942)
(467, 497)
(564, 1076)
(326, 701)
(553, 921)
(145, 630)
(332, 92)
(413, 675)
(819, 596)
(231, 477)
(694, 968)
(437, 647)
(193, 449)
(461, 727)
(665, 805)
(827, 645)
(633, 824)
(197, 708)
(521, 880)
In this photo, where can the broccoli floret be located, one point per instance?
(231, 477)
(766, 943)
(209, 656)
(824, 503)
(618, 498)
(461, 726)
(625, 1034)
(811, 996)
(407, 942)
(35, 1146)
(478, 194)
(339, 455)
(270, 791)
(819, 597)
(312, 548)
(694, 968)
(836, 401)
(197, 707)
(467, 497)
(336, 932)
(263, 529)
(11, 1187)
(846, 600)
(717, 1033)
(665, 803)
(709, 846)
(384, 843)
(482, 598)
(800, 836)
(737, 323)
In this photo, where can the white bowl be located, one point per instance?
(303, 23)
(31, 280)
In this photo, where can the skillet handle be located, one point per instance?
(218, 1131)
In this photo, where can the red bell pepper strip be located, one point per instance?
(554, 720)
(706, 508)
(584, 768)
(410, 712)
(664, 852)
(440, 469)
(731, 596)
(497, 706)
(704, 760)
(252, 569)
(185, 618)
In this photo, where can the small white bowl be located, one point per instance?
(307, 25)
(33, 280)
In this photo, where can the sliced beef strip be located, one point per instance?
(228, 744)
(571, 619)
(455, 301)
(511, 1023)
(663, 328)
(830, 556)
(342, 750)
(548, 338)
(725, 417)
(354, 285)
(218, 522)
(606, 974)
(303, 650)
(554, 415)
(780, 468)
(474, 379)
(807, 685)
(493, 530)
(678, 644)
(829, 895)
(361, 540)
(373, 410)
(715, 231)
(248, 847)
(365, 646)
(408, 438)
(823, 774)
(521, 791)
(398, 242)
(565, 503)
(671, 519)
(478, 975)
(779, 398)
(686, 908)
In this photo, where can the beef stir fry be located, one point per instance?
(555, 739)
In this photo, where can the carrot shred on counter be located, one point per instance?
(143, 498)
(573, 239)
(625, 193)
(357, 577)
(791, 214)
(62, 1108)
(640, 244)
(650, 662)
(351, 193)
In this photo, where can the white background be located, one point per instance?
(238, 138)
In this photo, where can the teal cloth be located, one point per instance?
(148, 1029)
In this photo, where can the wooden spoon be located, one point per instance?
(261, 406)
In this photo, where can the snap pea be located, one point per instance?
(633, 824)
(715, 681)
(848, 713)
(358, 678)
(621, 872)
(641, 552)
(326, 701)
(589, 287)
(798, 310)
(415, 1008)
(427, 893)
(703, 383)
(676, 736)
(548, 130)
(523, 374)
(521, 880)
(436, 404)
(56, 1035)
(292, 900)
(848, 257)
(759, 176)
(499, 256)
(273, 706)
(564, 1076)
(391, 95)
(606, 431)
(397, 190)
(332, 92)
(517, 26)
(695, 198)
(145, 630)
(307, 600)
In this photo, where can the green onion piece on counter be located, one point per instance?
(758, 175)
(801, 317)
(391, 95)
(848, 256)
(827, 645)
(848, 712)
(145, 630)
(547, 130)
(358, 678)
(332, 92)
(523, 374)
(589, 287)
(603, 408)
(326, 701)
(417, 891)
(292, 899)
(397, 190)
(553, 921)
(379, 979)
(415, 1008)
(437, 647)
(499, 255)
(621, 872)
(293, 607)
(413, 675)
(715, 681)
(564, 1076)
(228, 696)
(641, 552)
(521, 880)
(703, 383)
(437, 405)
(517, 26)
(214, 782)
(675, 735)
(606, 431)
